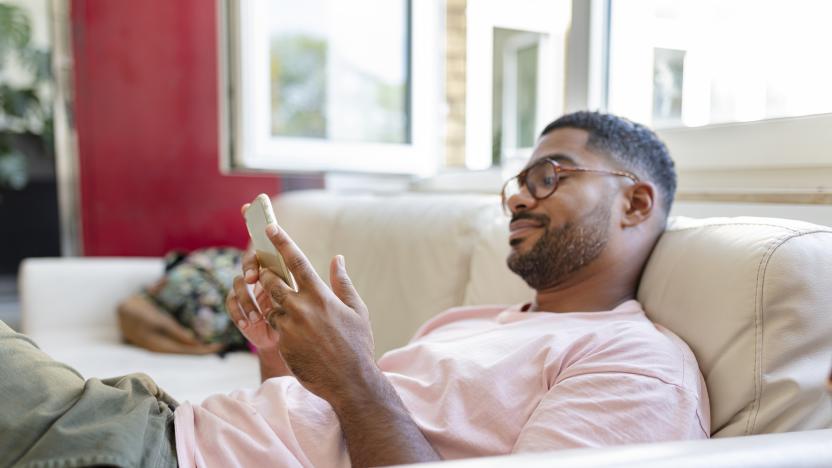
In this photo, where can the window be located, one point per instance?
(517, 55)
(699, 62)
(330, 80)
(739, 90)
(515, 77)
(324, 85)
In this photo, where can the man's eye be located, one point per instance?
(549, 181)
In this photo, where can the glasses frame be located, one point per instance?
(521, 179)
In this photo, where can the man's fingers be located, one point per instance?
(280, 294)
(342, 286)
(250, 266)
(249, 310)
(261, 297)
(235, 312)
(295, 260)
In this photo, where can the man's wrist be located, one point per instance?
(363, 388)
(271, 363)
(270, 355)
(267, 351)
(378, 428)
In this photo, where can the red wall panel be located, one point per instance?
(147, 120)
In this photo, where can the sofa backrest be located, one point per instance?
(408, 255)
(751, 297)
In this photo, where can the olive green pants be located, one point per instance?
(50, 416)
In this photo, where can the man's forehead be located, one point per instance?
(567, 145)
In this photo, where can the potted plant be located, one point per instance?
(26, 136)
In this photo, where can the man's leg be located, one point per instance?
(50, 416)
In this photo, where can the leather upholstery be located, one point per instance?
(752, 297)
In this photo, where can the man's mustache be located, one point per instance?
(540, 218)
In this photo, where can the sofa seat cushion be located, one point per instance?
(94, 353)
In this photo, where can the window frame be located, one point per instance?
(247, 143)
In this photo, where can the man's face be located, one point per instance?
(553, 238)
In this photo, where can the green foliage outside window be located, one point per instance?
(25, 111)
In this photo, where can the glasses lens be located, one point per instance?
(542, 179)
(511, 187)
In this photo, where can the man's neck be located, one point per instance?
(594, 292)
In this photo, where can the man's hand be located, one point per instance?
(249, 316)
(325, 335)
(326, 341)
(248, 313)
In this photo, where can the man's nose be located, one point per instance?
(521, 201)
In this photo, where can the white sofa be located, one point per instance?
(751, 296)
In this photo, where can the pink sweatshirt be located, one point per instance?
(480, 381)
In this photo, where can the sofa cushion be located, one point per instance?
(752, 298)
(69, 310)
(184, 377)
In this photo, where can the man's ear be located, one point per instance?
(640, 201)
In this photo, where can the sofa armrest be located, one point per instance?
(794, 449)
(79, 294)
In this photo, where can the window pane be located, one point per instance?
(515, 94)
(332, 80)
(699, 62)
(526, 95)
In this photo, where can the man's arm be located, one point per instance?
(326, 342)
(377, 427)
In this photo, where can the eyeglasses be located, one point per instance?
(541, 180)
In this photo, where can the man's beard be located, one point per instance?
(563, 251)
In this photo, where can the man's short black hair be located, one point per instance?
(632, 145)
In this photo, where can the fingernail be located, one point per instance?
(249, 274)
(271, 229)
(242, 323)
(252, 316)
(340, 261)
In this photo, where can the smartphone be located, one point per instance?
(258, 215)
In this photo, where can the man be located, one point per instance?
(580, 365)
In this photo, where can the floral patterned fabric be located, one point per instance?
(193, 291)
